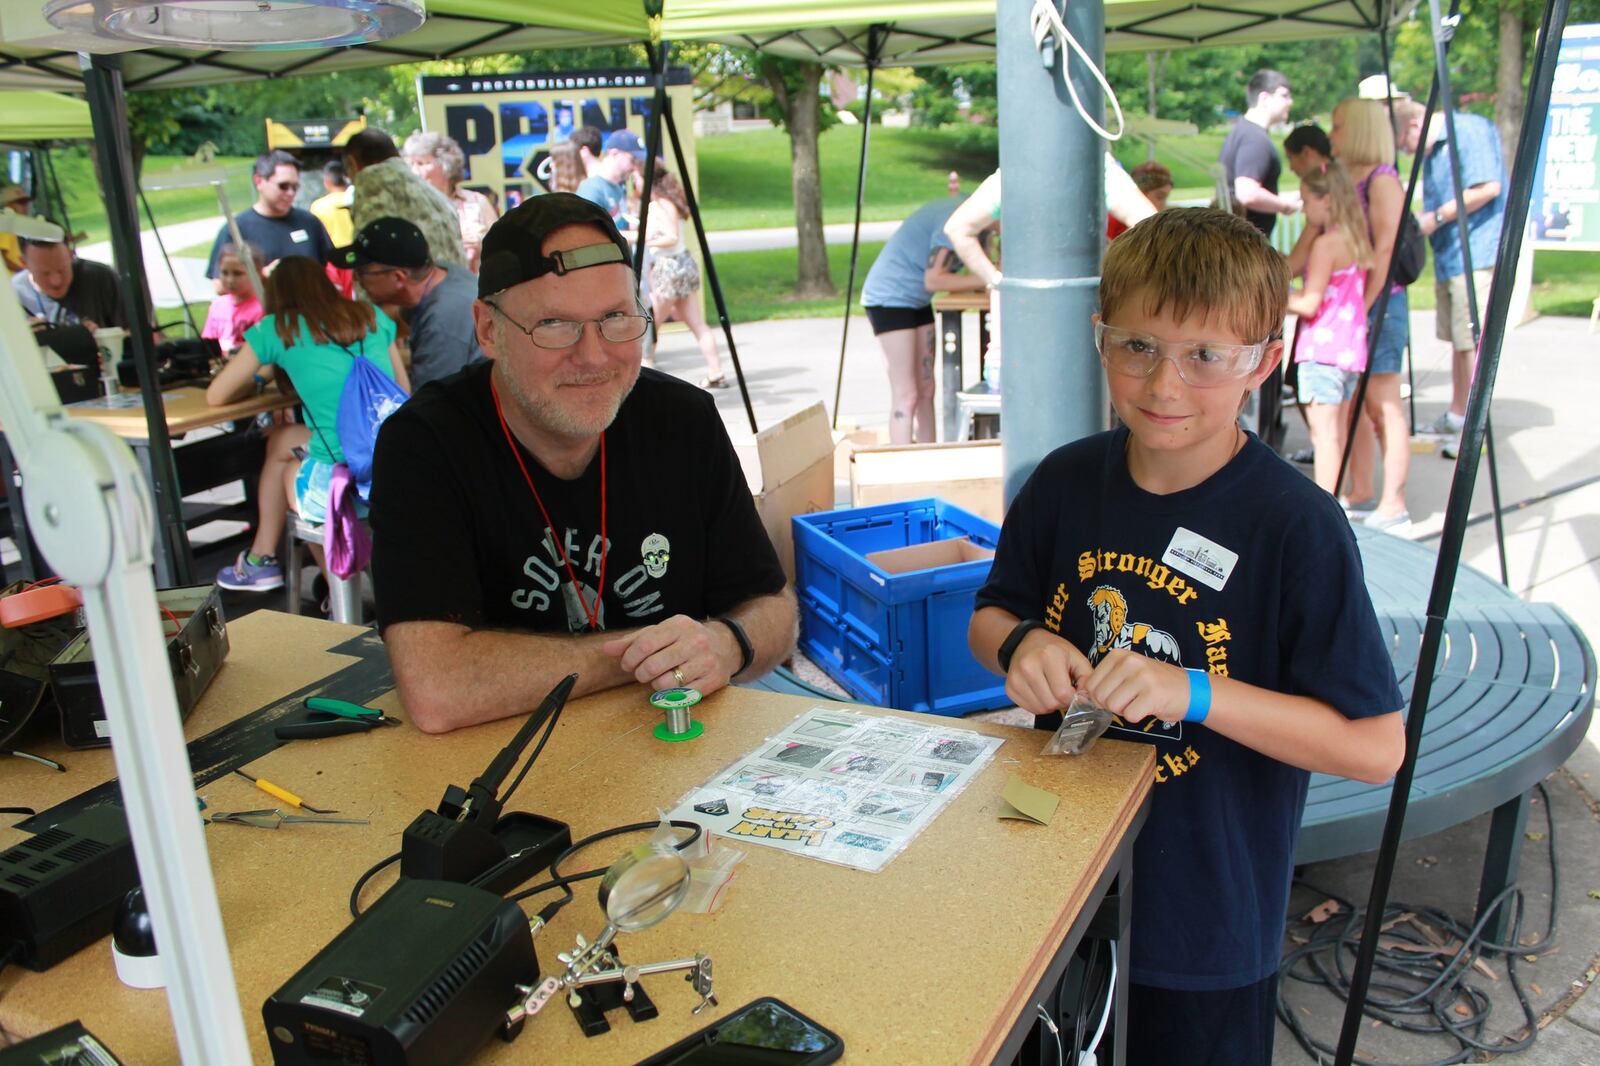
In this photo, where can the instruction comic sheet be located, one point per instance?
(841, 786)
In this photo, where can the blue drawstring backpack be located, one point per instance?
(369, 397)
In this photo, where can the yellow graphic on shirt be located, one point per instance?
(1112, 630)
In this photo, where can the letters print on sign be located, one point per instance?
(848, 788)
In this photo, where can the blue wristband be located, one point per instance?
(1199, 696)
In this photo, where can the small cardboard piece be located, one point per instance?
(929, 556)
(968, 474)
(1025, 803)
(796, 458)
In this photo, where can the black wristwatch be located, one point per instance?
(747, 651)
(1008, 647)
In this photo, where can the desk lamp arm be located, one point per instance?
(90, 509)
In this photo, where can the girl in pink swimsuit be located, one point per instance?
(1332, 350)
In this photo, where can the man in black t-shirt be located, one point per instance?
(1251, 159)
(57, 288)
(273, 224)
(558, 509)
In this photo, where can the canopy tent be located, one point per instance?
(42, 116)
(832, 31)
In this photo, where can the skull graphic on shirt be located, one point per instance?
(656, 552)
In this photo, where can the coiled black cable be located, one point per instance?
(1421, 991)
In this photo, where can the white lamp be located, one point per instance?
(237, 25)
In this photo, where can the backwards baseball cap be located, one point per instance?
(624, 141)
(513, 249)
(392, 242)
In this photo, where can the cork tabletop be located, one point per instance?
(961, 301)
(186, 410)
(931, 960)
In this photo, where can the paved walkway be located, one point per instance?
(1548, 440)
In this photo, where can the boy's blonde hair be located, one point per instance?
(1197, 261)
(1365, 134)
(1345, 213)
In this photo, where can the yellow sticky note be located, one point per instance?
(1022, 801)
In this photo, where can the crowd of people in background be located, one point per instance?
(1350, 171)
(399, 227)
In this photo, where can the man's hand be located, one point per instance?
(1291, 201)
(706, 655)
(1045, 672)
(1136, 687)
(1425, 223)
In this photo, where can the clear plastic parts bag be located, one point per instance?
(1081, 725)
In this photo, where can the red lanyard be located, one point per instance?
(577, 590)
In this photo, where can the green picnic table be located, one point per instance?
(1511, 700)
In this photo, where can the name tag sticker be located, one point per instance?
(299, 236)
(1204, 560)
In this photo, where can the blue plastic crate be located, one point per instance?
(894, 640)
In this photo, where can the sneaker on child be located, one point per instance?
(252, 573)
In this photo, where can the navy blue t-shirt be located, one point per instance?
(1254, 575)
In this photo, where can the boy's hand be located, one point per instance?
(1136, 687)
(1045, 672)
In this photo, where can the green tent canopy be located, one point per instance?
(42, 116)
(834, 31)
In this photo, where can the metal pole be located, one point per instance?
(155, 230)
(652, 137)
(1443, 31)
(1052, 391)
(873, 47)
(102, 80)
(1456, 511)
(711, 267)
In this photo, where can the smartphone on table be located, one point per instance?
(767, 1032)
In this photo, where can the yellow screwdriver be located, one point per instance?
(279, 792)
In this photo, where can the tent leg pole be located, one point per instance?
(711, 267)
(855, 236)
(652, 140)
(1442, 32)
(102, 79)
(1456, 510)
(177, 285)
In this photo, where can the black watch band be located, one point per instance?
(747, 651)
(1008, 647)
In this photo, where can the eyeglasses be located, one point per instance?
(1202, 364)
(287, 186)
(617, 327)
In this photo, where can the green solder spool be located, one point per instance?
(678, 724)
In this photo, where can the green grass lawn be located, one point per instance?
(85, 201)
(759, 285)
(745, 184)
(745, 178)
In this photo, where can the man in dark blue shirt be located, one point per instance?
(273, 224)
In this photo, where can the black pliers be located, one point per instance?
(332, 718)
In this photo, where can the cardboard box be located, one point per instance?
(796, 458)
(935, 553)
(968, 474)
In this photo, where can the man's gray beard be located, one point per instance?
(548, 416)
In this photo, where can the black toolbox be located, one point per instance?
(197, 644)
